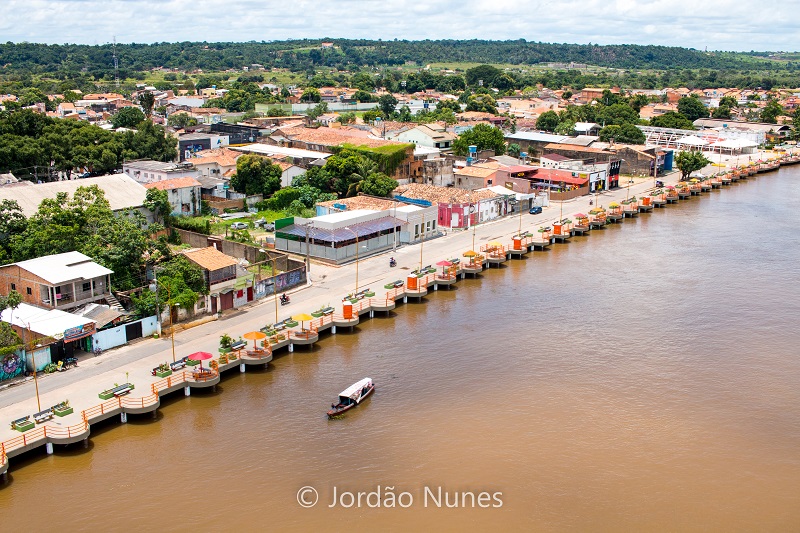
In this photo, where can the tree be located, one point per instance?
(688, 162)
(567, 127)
(157, 201)
(484, 136)
(9, 339)
(618, 114)
(692, 108)
(626, 134)
(127, 117)
(311, 94)
(453, 105)
(256, 175)
(482, 73)
(771, 112)
(547, 121)
(671, 119)
(404, 115)
(722, 111)
(181, 120)
(387, 103)
(363, 96)
(514, 150)
(147, 101)
(482, 103)
(346, 118)
(378, 184)
(728, 101)
(318, 110)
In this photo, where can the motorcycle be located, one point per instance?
(284, 300)
(392, 263)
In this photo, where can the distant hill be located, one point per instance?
(304, 54)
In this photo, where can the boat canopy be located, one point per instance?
(353, 390)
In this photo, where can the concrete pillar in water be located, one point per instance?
(333, 330)
(155, 414)
(86, 442)
(291, 347)
(372, 313)
(241, 368)
(436, 286)
(187, 391)
(49, 448)
(405, 299)
(123, 417)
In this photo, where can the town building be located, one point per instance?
(60, 281)
(184, 195)
(220, 272)
(122, 192)
(148, 171)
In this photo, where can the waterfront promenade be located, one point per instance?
(133, 363)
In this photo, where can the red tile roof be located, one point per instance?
(174, 183)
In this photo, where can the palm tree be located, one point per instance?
(147, 101)
(364, 168)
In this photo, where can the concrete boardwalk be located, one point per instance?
(133, 363)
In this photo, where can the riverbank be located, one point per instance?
(133, 364)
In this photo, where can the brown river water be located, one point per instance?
(643, 378)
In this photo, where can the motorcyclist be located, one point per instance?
(392, 262)
(284, 298)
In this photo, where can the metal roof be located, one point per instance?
(341, 234)
(60, 268)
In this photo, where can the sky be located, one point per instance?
(733, 25)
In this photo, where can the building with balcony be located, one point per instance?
(60, 281)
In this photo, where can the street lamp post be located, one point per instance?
(422, 243)
(154, 287)
(33, 360)
(356, 235)
(274, 284)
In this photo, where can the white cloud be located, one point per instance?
(716, 24)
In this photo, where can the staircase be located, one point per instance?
(114, 303)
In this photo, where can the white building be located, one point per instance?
(148, 171)
(429, 135)
(184, 194)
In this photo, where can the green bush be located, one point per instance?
(196, 224)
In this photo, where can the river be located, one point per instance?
(643, 378)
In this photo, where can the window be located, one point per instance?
(13, 286)
(28, 290)
(416, 230)
(434, 224)
(428, 226)
(87, 286)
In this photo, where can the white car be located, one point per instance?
(239, 225)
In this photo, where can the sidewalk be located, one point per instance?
(327, 286)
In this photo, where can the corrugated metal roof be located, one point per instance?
(341, 234)
(60, 268)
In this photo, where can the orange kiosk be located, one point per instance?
(347, 310)
(411, 283)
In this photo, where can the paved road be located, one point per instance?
(328, 285)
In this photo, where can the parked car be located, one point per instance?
(269, 226)
(239, 225)
(535, 210)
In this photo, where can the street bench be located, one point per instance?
(122, 390)
(22, 421)
(238, 345)
(43, 416)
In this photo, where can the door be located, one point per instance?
(213, 305)
(249, 294)
(133, 331)
(226, 300)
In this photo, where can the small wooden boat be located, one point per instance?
(352, 396)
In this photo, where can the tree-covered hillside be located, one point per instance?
(305, 54)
